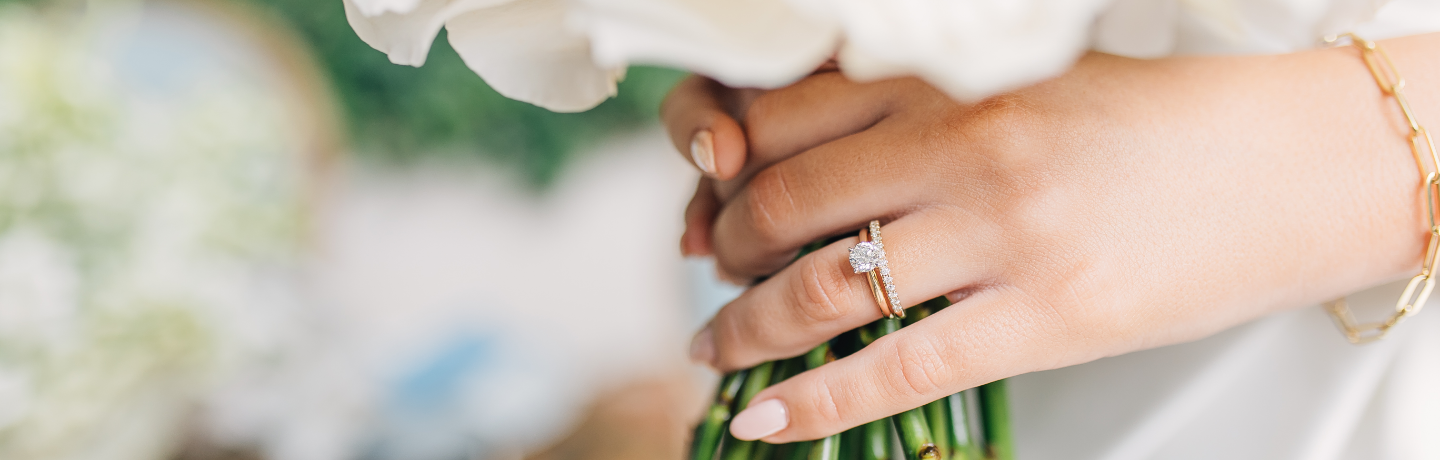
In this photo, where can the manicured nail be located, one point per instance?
(702, 150)
(702, 347)
(760, 420)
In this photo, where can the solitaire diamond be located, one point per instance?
(866, 256)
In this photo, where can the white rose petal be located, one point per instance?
(969, 49)
(406, 36)
(761, 43)
(379, 7)
(524, 50)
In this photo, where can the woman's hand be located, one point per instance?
(1124, 205)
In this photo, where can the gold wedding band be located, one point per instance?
(868, 257)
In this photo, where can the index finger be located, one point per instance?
(991, 335)
(696, 116)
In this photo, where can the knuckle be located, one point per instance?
(737, 341)
(769, 205)
(822, 293)
(921, 371)
(827, 403)
(1004, 129)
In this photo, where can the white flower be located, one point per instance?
(566, 54)
(970, 49)
(743, 43)
(522, 48)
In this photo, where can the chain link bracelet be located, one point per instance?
(1421, 147)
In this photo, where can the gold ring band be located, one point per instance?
(868, 257)
(874, 277)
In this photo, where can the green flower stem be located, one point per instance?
(995, 405)
(818, 356)
(762, 450)
(964, 426)
(877, 440)
(852, 443)
(800, 452)
(717, 418)
(826, 449)
(779, 452)
(915, 435)
(938, 416)
(759, 379)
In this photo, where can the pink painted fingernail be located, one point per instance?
(702, 150)
(702, 347)
(760, 420)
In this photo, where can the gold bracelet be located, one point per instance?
(1410, 303)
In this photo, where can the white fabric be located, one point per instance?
(1284, 387)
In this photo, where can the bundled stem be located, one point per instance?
(800, 452)
(717, 418)
(758, 379)
(826, 449)
(971, 425)
(995, 405)
(964, 425)
(877, 440)
(938, 416)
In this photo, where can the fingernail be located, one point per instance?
(702, 347)
(702, 150)
(685, 244)
(760, 420)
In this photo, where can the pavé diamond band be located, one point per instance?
(868, 257)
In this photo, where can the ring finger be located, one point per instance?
(820, 296)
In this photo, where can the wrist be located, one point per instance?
(1365, 133)
(1302, 151)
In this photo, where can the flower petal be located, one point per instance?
(764, 43)
(970, 49)
(525, 51)
(371, 8)
(406, 37)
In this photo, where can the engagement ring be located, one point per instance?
(868, 257)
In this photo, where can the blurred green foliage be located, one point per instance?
(399, 113)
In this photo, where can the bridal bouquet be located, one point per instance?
(567, 55)
(969, 425)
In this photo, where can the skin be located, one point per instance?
(1124, 205)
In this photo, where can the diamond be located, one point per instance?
(884, 270)
(866, 256)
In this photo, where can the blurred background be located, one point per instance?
(229, 229)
